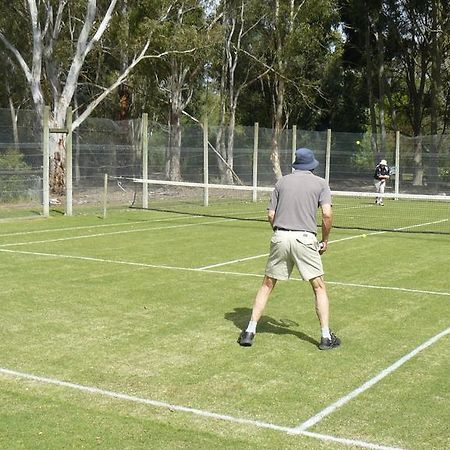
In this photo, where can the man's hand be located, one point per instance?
(323, 245)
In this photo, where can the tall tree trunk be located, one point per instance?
(436, 92)
(173, 169)
(280, 88)
(381, 92)
(369, 76)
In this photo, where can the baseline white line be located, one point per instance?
(219, 272)
(112, 233)
(343, 400)
(185, 409)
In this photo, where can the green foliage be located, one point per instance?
(13, 183)
(362, 158)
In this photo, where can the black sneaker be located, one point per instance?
(327, 344)
(246, 339)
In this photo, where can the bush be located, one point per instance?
(14, 183)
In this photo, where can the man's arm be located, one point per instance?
(271, 217)
(327, 222)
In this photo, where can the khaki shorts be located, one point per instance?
(294, 247)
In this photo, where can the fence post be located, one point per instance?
(294, 143)
(397, 162)
(255, 161)
(205, 163)
(45, 162)
(105, 194)
(144, 140)
(68, 171)
(328, 156)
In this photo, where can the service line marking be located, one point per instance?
(88, 227)
(184, 409)
(368, 384)
(112, 233)
(219, 272)
(348, 238)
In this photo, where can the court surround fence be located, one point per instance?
(137, 149)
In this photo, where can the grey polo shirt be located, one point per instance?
(296, 198)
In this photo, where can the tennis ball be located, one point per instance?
(364, 235)
(358, 142)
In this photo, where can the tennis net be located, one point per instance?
(406, 213)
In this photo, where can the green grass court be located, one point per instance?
(120, 333)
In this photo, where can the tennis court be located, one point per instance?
(121, 333)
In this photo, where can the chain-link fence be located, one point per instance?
(420, 165)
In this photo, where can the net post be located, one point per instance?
(45, 162)
(205, 163)
(294, 143)
(144, 139)
(255, 162)
(105, 194)
(397, 162)
(68, 171)
(327, 156)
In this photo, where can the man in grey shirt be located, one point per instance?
(292, 215)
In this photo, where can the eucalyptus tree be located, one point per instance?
(183, 37)
(236, 70)
(296, 41)
(420, 32)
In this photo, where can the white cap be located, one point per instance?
(383, 162)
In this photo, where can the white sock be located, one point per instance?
(326, 333)
(251, 327)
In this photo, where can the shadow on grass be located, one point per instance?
(267, 324)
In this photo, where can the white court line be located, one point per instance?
(112, 233)
(217, 272)
(198, 412)
(368, 384)
(391, 288)
(88, 227)
(348, 238)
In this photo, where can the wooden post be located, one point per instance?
(68, 169)
(144, 138)
(45, 162)
(397, 162)
(255, 161)
(105, 194)
(294, 143)
(328, 156)
(205, 163)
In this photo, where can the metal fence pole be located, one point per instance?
(45, 162)
(144, 138)
(255, 161)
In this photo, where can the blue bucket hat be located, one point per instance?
(304, 159)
